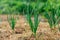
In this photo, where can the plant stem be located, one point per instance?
(59, 27)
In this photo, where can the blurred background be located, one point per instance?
(19, 6)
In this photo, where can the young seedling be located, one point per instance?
(53, 18)
(33, 24)
(12, 22)
(58, 17)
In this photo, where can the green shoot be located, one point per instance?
(58, 17)
(12, 22)
(53, 18)
(34, 25)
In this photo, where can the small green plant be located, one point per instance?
(50, 20)
(52, 13)
(12, 21)
(53, 18)
(33, 24)
(58, 17)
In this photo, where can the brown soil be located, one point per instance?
(22, 30)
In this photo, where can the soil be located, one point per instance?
(22, 30)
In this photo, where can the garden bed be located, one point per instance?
(22, 30)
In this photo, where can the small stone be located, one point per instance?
(19, 30)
